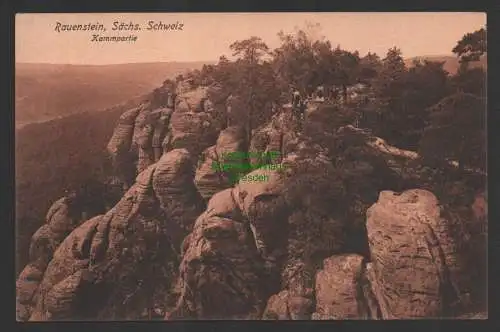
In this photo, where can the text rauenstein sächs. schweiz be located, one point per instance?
(118, 31)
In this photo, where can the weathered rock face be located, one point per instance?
(220, 273)
(418, 269)
(231, 139)
(176, 193)
(193, 125)
(151, 127)
(143, 134)
(119, 146)
(63, 216)
(223, 273)
(260, 203)
(273, 136)
(337, 294)
(116, 265)
(193, 101)
(296, 300)
(288, 237)
(194, 131)
(208, 179)
(338, 288)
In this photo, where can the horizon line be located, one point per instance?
(183, 61)
(114, 63)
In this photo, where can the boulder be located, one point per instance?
(63, 216)
(417, 269)
(296, 300)
(338, 288)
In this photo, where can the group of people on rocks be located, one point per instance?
(299, 102)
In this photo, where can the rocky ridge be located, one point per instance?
(183, 243)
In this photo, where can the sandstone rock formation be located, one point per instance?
(418, 269)
(143, 134)
(219, 273)
(183, 243)
(116, 265)
(337, 288)
(223, 269)
(208, 178)
(62, 218)
(119, 146)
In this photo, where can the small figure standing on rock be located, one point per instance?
(172, 96)
(229, 109)
(320, 96)
(298, 107)
(295, 98)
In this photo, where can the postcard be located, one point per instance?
(251, 166)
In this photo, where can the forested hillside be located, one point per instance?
(56, 156)
(451, 63)
(48, 91)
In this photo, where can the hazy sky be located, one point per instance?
(205, 36)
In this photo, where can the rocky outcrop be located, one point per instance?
(222, 269)
(116, 265)
(275, 136)
(194, 100)
(209, 179)
(341, 291)
(194, 131)
(219, 273)
(184, 243)
(143, 134)
(63, 216)
(119, 146)
(149, 132)
(418, 269)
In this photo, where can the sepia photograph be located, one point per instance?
(251, 166)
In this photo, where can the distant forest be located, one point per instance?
(56, 156)
(49, 91)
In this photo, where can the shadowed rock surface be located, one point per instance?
(143, 134)
(208, 178)
(337, 288)
(62, 218)
(220, 274)
(418, 267)
(116, 265)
